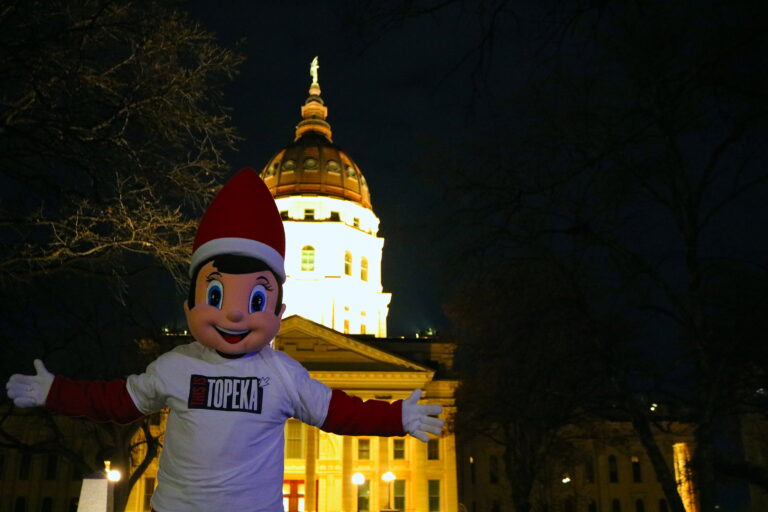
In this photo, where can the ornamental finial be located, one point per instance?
(313, 71)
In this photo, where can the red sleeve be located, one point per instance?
(351, 416)
(99, 401)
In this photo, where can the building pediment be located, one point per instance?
(321, 349)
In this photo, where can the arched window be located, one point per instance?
(613, 469)
(639, 505)
(47, 505)
(20, 505)
(615, 505)
(308, 258)
(592, 506)
(637, 470)
(347, 263)
(364, 269)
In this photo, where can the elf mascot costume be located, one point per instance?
(229, 393)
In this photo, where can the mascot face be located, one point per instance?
(234, 314)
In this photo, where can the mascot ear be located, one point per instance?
(282, 311)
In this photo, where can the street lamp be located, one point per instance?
(113, 475)
(389, 477)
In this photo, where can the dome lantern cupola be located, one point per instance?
(314, 111)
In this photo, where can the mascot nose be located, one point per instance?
(234, 315)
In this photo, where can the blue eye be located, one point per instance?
(214, 295)
(258, 299)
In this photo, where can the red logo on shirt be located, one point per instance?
(243, 394)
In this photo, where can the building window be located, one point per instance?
(639, 505)
(335, 217)
(398, 449)
(433, 449)
(47, 505)
(149, 490)
(294, 439)
(356, 222)
(364, 496)
(613, 469)
(51, 467)
(309, 214)
(363, 449)
(496, 506)
(73, 504)
(347, 263)
(493, 469)
(615, 505)
(26, 462)
(569, 505)
(399, 491)
(364, 269)
(592, 506)
(637, 471)
(663, 505)
(434, 495)
(307, 258)
(20, 505)
(284, 215)
(472, 476)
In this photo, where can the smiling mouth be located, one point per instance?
(232, 337)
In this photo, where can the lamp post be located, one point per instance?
(389, 477)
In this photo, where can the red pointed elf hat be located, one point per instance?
(243, 220)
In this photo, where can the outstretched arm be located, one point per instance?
(352, 416)
(99, 401)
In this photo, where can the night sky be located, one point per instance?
(391, 103)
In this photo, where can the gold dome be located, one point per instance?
(313, 164)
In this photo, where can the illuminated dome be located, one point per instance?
(313, 164)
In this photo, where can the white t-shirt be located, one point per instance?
(223, 446)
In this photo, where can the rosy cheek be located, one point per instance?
(202, 317)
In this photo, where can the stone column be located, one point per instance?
(347, 487)
(381, 468)
(451, 484)
(419, 490)
(310, 477)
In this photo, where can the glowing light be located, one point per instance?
(654, 406)
(566, 479)
(358, 479)
(388, 476)
(113, 475)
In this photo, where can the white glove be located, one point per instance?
(418, 419)
(30, 390)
